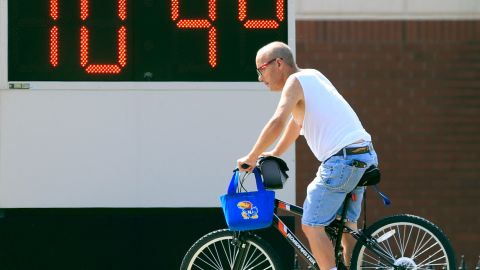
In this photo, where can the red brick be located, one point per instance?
(416, 87)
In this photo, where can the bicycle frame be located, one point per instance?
(335, 231)
(334, 228)
(291, 238)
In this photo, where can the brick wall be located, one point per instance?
(416, 88)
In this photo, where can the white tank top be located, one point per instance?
(330, 123)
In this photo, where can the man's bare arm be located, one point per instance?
(291, 95)
(288, 138)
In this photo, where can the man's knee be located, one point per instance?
(313, 231)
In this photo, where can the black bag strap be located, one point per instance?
(232, 187)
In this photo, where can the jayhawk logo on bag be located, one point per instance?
(248, 210)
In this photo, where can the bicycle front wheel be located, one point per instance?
(216, 251)
(410, 242)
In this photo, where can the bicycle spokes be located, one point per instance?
(227, 251)
(408, 246)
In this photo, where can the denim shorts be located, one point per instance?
(336, 177)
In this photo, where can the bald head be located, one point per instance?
(277, 49)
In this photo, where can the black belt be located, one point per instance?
(353, 151)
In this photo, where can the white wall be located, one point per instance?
(120, 148)
(387, 9)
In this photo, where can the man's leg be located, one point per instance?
(320, 245)
(348, 243)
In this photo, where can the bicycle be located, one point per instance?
(396, 242)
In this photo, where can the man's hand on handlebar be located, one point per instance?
(246, 163)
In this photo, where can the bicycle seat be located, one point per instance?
(370, 177)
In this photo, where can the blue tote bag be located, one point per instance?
(248, 210)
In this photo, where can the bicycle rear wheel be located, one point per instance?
(216, 251)
(411, 242)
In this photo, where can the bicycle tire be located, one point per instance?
(216, 251)
(410, 241)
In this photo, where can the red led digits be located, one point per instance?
(54, 9)
(83, 46)
(280, 10)
(54, 46)
(122, 46)
(205, 23)
(122, 42)
(200, 23)
(84, 10)
(242, 10)
(212, 9)
(54, 34)
(256, 24)
(122, 9)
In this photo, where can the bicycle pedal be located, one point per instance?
(385, 236)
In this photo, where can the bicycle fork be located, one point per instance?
(241, 245)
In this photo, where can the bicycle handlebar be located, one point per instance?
(245, 166)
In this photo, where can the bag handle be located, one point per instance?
(236, 175)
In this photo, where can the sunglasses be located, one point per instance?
(264, 65)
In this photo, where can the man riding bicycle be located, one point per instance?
(311, 106)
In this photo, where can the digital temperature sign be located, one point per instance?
(141, 40)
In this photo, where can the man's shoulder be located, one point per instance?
(297, 79)
(293, 88)
(293, 82)
(307, 72)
